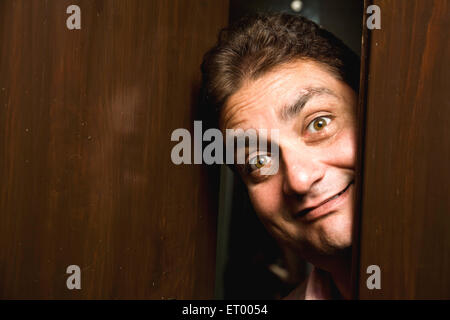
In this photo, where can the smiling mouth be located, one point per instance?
(306, 211)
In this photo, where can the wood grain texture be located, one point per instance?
(406, 200)
(85, 123)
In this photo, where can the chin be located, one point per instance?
(333, 233)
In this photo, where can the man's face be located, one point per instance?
(308, 203)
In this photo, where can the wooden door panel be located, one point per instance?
(405, 198)
(85, 123)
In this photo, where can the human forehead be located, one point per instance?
(264, 96)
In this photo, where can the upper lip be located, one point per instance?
(307, 208)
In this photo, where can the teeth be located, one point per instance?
(338, 194)
(332, 198)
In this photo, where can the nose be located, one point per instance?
(301, 169)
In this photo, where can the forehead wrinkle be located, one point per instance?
(263, 85)
(291, 110)
(247, 98)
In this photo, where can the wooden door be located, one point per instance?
(405, 216)
(86, 176)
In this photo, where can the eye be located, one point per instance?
(318, 124)
(258, 162)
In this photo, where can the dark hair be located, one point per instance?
(255, 44)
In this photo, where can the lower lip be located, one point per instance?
(327, 207)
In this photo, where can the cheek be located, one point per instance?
(342, 152)
(266, 199)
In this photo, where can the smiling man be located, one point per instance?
(284, 72)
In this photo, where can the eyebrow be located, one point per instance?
(290, 111)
